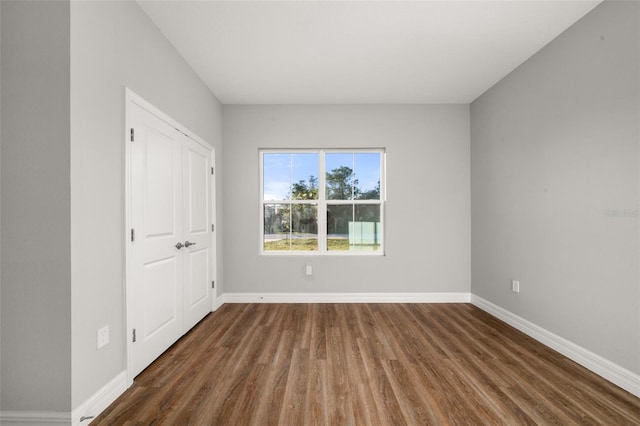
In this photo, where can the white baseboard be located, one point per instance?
(217, 302)
(34, 418)
(90, 409)
(612, 372)
(346, 298)
(100, 400)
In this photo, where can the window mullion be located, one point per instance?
(290, 202)
(261, 226)
(322, 205)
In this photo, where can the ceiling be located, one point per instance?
(358, 52)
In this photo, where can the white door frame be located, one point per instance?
(131, 98)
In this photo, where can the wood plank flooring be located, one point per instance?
(365, 364)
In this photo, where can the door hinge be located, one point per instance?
(133, 234)
(134, 335)
(211, 170)
(132, 134)
(212, 227)
(213, 284)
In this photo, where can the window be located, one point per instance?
(337, 211)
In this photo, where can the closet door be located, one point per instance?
(169, 255)
(156, 262)
(196, 170)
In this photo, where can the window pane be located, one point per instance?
(304, 174)
(365, 232)
(339, 176)
(367, 172)
(353, 176)
(304, 227)
(338, 219)
(276, 176)
(290, 176)
(290, 227)
(277, 227)
(354, 227)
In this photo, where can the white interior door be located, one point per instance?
(196, 160)
(169, 256)
(157, 267)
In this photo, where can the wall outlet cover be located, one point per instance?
(103, 336)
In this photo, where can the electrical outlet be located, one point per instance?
(309, 270)
(103, 336)
(515, 286)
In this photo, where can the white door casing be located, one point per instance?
(169, 202)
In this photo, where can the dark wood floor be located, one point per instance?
(361, 364)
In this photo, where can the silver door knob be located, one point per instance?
(179, 246)
(187, 244)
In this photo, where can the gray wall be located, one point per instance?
(35, 192)
(114, 44)
(555, 186)
(427, 211)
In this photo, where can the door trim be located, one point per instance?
(131, 99)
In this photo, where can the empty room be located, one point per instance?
(319, 212)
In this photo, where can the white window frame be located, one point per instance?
(322, 202)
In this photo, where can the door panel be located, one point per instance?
(197, 212)
(198, 172)
(197, 266)
(160, 289)
(157, 266)
(160, 180)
